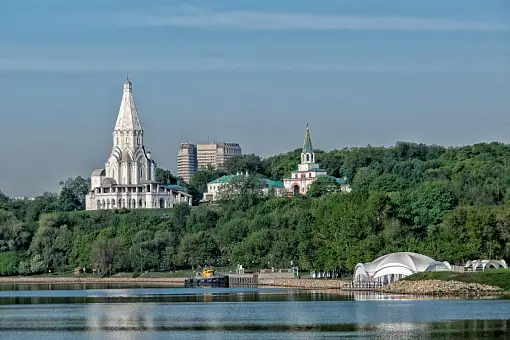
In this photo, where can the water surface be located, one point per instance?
(117, 311)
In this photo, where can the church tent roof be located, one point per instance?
(307, 147)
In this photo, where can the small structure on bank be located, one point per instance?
(484, 264)
(395, 266)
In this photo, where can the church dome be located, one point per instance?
(109, 181)
(98, 172)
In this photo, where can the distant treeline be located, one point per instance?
(449, 203)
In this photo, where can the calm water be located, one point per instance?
(151, 312)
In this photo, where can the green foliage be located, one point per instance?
(9, 262)
(242, 192)
(107, 255)
(448, 203)
(324, 185)
(250, 163)
(73, 192)
(198, 183)
(165, 176)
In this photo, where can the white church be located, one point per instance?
(128, 179)
(299, 181)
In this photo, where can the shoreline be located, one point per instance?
(402, 288)
(174, 281)
(441, 288)
(303, 283)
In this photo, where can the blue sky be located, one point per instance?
(251, 71)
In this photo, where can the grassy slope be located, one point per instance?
(499, 278)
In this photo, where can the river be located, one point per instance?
(110, 311)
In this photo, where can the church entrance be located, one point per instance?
(295, 190)
(161, 203)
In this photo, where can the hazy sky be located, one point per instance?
(252, 71)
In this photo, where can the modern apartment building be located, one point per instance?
(216, 154)
(192, 157)
(186, 161)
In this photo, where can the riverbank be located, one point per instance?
(439, 287)
(173, 281)
(304, 283)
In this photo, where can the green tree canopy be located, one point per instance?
(324, 185)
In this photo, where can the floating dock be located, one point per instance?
(211, 281)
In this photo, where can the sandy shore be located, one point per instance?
(54, 280)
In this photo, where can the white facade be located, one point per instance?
(215, 187)
(395, 266)
(308, 170)
(128, 179)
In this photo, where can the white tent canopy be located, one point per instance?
(484, 264)
(395, 266)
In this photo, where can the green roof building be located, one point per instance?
(214, 187)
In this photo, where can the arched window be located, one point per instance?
(104, 205)
(140, 203)
(98, 203)
(133, 204)
(307, 157)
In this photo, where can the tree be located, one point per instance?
(243, 163)
(14, 234)
(242, 191)
(324, 185)
(73, 192)
(198, 249)
(46, 203)
(198, 183)
(107, 255)
(165, 176)
(429, 201)
(144, 251)
(3, 198)
(9, 262)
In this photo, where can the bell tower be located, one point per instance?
(307, 154)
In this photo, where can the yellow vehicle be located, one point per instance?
(208, 272)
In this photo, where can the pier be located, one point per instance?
(243, 279)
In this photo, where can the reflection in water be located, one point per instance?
(165, 313)
(100, 317)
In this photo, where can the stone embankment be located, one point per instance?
(438, 287)
(56, 279)
(303, 283)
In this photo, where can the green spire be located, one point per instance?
(307, 147)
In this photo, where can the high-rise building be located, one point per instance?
(193, 157)
(187, 161)
(216, 154)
